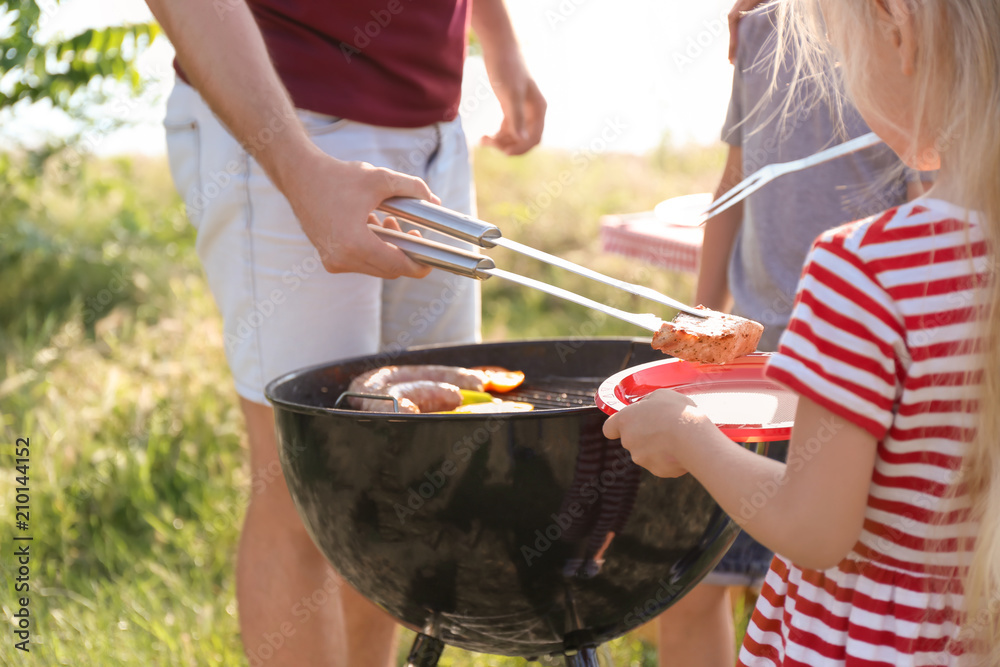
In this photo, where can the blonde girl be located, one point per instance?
(886, 517)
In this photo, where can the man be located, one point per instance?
(291, 122)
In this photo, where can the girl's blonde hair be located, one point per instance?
(958, 82)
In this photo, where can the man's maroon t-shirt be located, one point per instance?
(395, 63)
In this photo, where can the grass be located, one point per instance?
(113, 366)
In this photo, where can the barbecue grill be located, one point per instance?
(523, 534)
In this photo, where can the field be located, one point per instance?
(113, 366)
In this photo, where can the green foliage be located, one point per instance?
(59, 69)
(475, 46)
(77, 242)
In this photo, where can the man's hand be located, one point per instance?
(523, 108)
(735, 14)
(522, 103)
(333, 201)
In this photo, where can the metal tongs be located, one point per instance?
(473, 265)
(486, 235)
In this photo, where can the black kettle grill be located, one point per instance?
(522, 534)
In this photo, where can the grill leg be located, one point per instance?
(584, 657)
(425, 651)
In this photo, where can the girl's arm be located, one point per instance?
(810, 510)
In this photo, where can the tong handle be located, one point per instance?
(485, 235)
(441, 219)
(438, 255)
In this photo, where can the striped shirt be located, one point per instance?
(884, 333)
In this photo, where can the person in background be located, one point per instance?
(290, 122)
(751, 260)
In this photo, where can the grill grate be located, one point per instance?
(551, 393)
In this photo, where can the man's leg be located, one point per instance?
(293, 609)
(698, 630)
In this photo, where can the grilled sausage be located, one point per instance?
(380, 380)
(418, 396)
(717, 339)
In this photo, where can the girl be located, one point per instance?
(887, 514)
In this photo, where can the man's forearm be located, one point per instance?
(492, 25)
(223, 55)
(520, 99)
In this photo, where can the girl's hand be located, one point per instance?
(659, 429)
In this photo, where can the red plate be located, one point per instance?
(745, 405)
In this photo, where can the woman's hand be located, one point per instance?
(659, 430)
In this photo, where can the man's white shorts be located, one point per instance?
(281, 309)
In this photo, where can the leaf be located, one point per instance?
(118, 68)
(114, 37)
(81, 42)
(38, 66)
(75, 62)
(98, 39)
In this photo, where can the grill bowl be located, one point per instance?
(519, 534)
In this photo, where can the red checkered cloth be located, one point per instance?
(645, 237)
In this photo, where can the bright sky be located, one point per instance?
(648, 66)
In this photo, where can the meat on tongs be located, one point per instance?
(716, 339)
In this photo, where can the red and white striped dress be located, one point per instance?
(883, 334)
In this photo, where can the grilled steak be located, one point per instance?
(717, 339)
